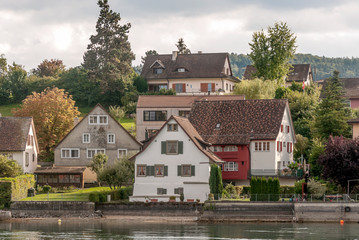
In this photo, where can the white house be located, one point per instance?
(176, 160)
(18, 141)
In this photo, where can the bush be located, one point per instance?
(298, 187)
(14, 189)
(102, 196)
(246, 190)
(316, 188)
(94, 197)
(287, 190)
(46, 188)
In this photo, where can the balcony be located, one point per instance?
(277, 173)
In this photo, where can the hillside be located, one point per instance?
(322, 67)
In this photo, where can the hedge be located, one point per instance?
(261, 187)
(118, 194)
(14, 189)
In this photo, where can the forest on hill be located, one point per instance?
(322, 67)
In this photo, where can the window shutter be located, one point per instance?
(179, 172)
(193, 171)
(148, 170)
(184, 87)
(281, 146)
(278, 146)
(204, 87)
(287, 129)
(288, 147)
(281, 128)
(213, 87)
(163, 147)
(166, 171)
(180, 147)
(152, 170)
(174, 86)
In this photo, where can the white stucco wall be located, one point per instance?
(195, 187)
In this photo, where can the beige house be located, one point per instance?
(154, 110)
(96, 133)
(18, 141)
(189, 74)
(355, 127)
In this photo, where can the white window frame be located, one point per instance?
(262, 146)
(230, 148)
(83, 138)
(108, 138)
(181, 69)
(70, 149)
(96, 151)
(172, 127)
(98, 117)
(121, 149)
(230, 166)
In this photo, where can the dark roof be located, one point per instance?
(299, 74)
(350, 87)
(167, 101)
(69, 170)
(202, 65)
(14, 132)
(240, 121)
(356, 120)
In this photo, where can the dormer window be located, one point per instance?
(157, 70)
(181, 70)
(218, 126)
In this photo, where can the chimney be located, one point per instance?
(199, 52)
(174, 55)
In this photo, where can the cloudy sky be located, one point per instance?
(34, 30)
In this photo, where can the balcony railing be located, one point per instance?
(278, 172)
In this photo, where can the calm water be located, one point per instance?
(115, 229)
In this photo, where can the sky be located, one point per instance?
(34, 30)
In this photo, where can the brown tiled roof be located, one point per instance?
(167, 101)
(240, 121)
(68, 170)
(202, 65)
(350, 87)
(300, 72)
(14, 132)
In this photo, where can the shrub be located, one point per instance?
(181, 197)
(316, 188)
(14, 189)
(298, 187)
(94, 197)
(246, 190)
(46, 188)
(102, 197)
(287, 190)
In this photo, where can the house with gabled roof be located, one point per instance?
(188, 74)
(175, 161)
(253, 137)
(153, 111)
(300, 73)
(97, 132)
(18, 141)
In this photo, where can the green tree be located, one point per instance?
(332, 113)
(117, 112)
(140, 83)
(316, 151)
(301, 147)
(272, 51)
(120, 173)
(15, 83)
(215, 181)
(255, 89)
(148, 53)
(109, 56)
(52, 68)
(9, 167)
(182, 47)
(98, 164)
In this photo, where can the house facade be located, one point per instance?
(189, 74)
(175, 161)
(253, 137)
(154, 110)
(301, 73)
(18, 141)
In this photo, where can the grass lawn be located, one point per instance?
(128, 123)
(5, 110)
(78, 195)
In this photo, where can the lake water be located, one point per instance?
(117, 229)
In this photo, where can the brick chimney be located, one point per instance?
(174, 55)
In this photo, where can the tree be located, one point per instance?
(9, 167)
(15, 83)
(53, 111)
(117, 112)
(3, 65)
(140, 83)
(98, 164)
(272, 51)
(316, 151)
(118, 174)
(215, 181)
(51, 68)
(340, 160)
(182, 47)
(332, 113)
(301, 146)
(255, 89)
(148, 53)
(109, 56)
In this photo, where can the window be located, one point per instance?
(64, 179)
(157, 70)
(172, 147)
(92, 152)
(70, 153)
(262, 146)
(172, 127)
(122, 152)
(279, 146)
(218, 126)
(141, 170)
(86, 138)
(216, 149)
(159, 170)
(186, 170)
(287, 129)
(230, 149)
(289, 147)
(181, 70)
(226, 86)
(209, 87)
(8, 155)
(178, 191)
(111, 138)
(284, 144)
(27, 159)
(154, 115)
(230, 166)
(161, 191)
(30, 140)
(281, 128)
(179, 88)
(183, 113)
(98, 120)
(33, 157)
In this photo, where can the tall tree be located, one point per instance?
(255, 89)
(182, 47)
(53, 112)
(272, 51)
(332, 113)
(109, 56)
(14, 82)
(51, 68)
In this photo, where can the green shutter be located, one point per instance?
(148, 170)
(166, 171)
(193, 171)
(179, 170)
(163, 147)
(180, 147)
(152, 170)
